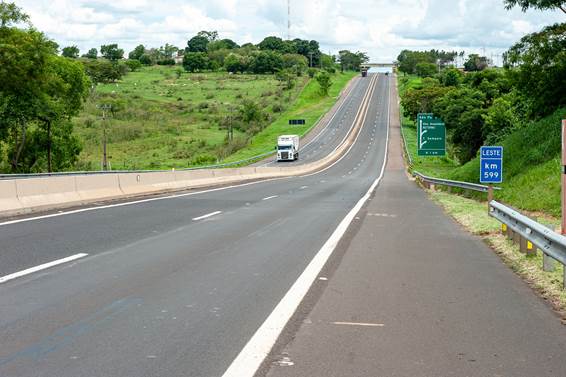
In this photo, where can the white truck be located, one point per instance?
(288, 148)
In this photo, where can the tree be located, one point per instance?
(103, 71)
(324, 82)
(272, 43)
(195, 61)
(451, 77)
(111, 52)
(167, 51)
(137, 52)
(70, 52)
(295, 62)
(476, 63)
(426, 69)
(287, 76)
(537, 4)
(146, 59)
(421, 100)
(210, 35)
(91, 54)
(197, 44)
(537, 67)
(11, 14)
(235, 63)
(39, 93)
(133, 64)
(223, 44)
(462, 109)
(266, 62)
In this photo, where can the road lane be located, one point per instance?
(161, 294)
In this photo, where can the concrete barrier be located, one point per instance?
(49, 191)
(138, 183)
(96, 187)
(9, 197)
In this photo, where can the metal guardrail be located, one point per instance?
(406, 147)
(103, 172)
(530, 234)
(450, 183)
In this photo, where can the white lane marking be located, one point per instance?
(271, 197)
(207, 215)
(359, 324)
(303, 187)
(258, 347)
(44, 266)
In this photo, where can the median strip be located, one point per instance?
(41, 267)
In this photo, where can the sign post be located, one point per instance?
(431, 135)
(491, 168)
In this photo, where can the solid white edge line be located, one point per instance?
(44, 266)
(270, 197)
(258, 347)
(207, 215)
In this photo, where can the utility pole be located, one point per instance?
(104, 109)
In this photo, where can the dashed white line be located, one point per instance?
(304, 187)
(271, 197)
(207, 215)
(41, 267)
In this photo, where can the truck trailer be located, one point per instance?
(288, 148)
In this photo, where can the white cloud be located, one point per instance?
(380, 27)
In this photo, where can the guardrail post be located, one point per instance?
(523, 245)
(531, 249)
(432, 187)
(547, 263)
(516, 238)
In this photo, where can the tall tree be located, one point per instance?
(537, 67)
(537, 4)
(91, 54)
(11, 14)
(137, 52)
(198, 43)
(111, 52)
(324, 82)
(70, 52)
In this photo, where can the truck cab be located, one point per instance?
(287, 148)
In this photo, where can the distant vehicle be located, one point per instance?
(288, 148)
(364, 71)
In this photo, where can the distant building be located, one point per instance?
(179, 58)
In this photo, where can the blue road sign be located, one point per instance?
(491, 161)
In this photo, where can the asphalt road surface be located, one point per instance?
(178, 285)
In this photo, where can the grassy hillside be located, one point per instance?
(309, 106)
(165, 118)
(531, 164)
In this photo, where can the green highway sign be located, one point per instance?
(431, 135)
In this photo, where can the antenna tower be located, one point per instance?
(288, 19)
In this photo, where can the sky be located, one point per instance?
(380, 28)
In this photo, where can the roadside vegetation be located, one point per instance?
(519, 106)
(160, 108)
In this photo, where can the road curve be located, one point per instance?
(176, 286)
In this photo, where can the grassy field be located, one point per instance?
(165, 118)
(531, 165)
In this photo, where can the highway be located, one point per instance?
(178, 285)
(318, 144)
